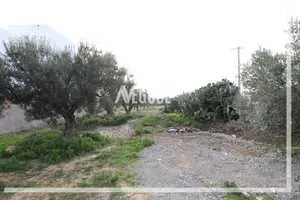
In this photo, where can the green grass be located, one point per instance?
(150, 120)
(94, 121)
(15, 137)
(12, 164)
(148, 124)
(125, 153)
(239, 195)
(234, 195)
(49, 146)
(140, 129)
(108, 179)
(53, 147)
(176, 119)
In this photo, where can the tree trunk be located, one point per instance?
(69, 123)
(109, 109)
(125, 107)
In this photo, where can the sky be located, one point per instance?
(170, 46)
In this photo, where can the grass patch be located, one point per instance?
(15, 137)
(50, 146)
(108, 179)
(234, 195)
(147, 125)
(150, 120)
(125, 153)
(140, 129)
(12, 164)
(176, 119)
(94, 121)
(240, 195)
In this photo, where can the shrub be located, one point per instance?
(12, 138)
(12, 164)
(209, 103)
(53, 147)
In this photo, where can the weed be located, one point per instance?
(54, 147)
(177, 119)
(140, 129)
(126, 152)
(12, 164)
(94, 121)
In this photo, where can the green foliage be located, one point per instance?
(102, 179)
(125, 153)
(150, 120)
(234, 195)
(50, 83)
(230, 184)
(239, 195)
(176, 119)
(3, 84)
(147, 124)
(53, 147)
(93, 121)
(108, 179)
(264, 80)
(12, 164)
(10, 139)
(210, 103)
(140, 129)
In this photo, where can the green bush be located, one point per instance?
(210, 103)
(53, 147)
(14, 137)
(12, 164)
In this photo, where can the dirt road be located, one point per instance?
(208, 160)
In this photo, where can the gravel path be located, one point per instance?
(207, 160)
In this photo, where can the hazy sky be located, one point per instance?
(170, 46)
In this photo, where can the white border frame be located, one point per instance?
(288, 187)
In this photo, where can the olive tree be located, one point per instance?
(49, 83)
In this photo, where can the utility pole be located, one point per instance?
(238, 48)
